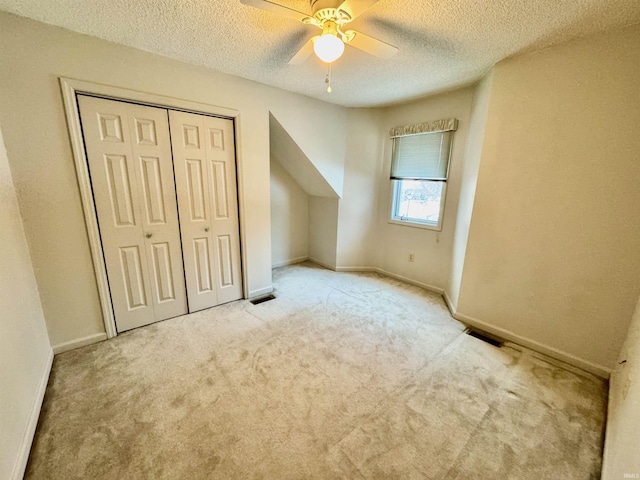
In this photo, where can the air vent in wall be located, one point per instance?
(485, 337)
(266, 298)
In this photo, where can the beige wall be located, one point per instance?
(357, 215)
(623, 423)
(323, 230)
(432, 249)
(25, 353)
(552, 254)
(33, 56)
(319, 133)
(473, 152)
(289, 218)
(284, 150)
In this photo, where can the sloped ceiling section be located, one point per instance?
(287, 153)
(442, 44)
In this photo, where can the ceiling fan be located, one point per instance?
(331, 16)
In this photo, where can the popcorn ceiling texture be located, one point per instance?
(442, 45)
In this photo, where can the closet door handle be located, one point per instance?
(206, 229)
(148, 235)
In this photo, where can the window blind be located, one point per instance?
(423, 156)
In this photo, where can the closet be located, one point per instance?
(164, 186)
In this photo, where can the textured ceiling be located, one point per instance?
(442, 44)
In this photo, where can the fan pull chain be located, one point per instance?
(327, 79)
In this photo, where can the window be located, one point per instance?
(419, 171)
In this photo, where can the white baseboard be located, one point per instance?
(447, 300)
(260, 291)
(410, 281)
(582, 364)
(322, 264)
(386, 273)
(355, 269)
(293, 261)
(79, 342)
(27, 440)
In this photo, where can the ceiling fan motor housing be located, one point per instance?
(323, 4)
(327, 11)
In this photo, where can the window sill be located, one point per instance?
(408, 223)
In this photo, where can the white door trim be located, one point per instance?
(70, 87)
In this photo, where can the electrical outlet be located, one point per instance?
(411, 257)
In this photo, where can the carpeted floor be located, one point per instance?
(343, 375)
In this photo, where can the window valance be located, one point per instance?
(447, 125)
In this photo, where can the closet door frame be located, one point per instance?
(70, 89)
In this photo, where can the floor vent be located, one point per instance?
(266, 298)
(485, 337)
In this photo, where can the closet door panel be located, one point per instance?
(225, 260)
(133, 277)
(204, 272)
(112, 168)
(195, 186)
(151, 147)
(221, 159)
(205, 170)
(129, 155)
(194, 206)
(163, 273)
(151, 177)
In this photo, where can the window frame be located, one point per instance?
(408, 221)
(395, 192)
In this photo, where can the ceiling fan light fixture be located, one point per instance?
(328, 47)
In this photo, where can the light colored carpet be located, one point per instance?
(342, 376)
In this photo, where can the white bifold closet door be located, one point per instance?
(205, 174)
(130, 162)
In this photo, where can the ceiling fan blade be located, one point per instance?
(276, 8)
(304, 53)
(370, 45)
(355, 7)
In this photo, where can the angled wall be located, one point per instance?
(473, 153)
(320, 135)
(552, 255)
(25, 353)
(623, 416)
(289, 218)
(285, 150)
(303, 197)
